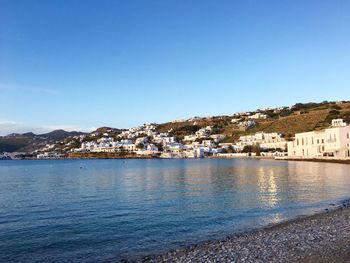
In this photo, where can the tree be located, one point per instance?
(252, 149)
(140, 146)
(256, 149)
(230, 149)
(335, 107)
(247, 149)
(159, 146)
(224, 150)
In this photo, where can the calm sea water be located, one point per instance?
(109, 210)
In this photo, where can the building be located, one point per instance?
(247, 124)
(334, 141)
(266, 141)
(258, 115)
(218, 137)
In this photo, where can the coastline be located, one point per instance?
(319, 160)
(322, 237)
(135, 157)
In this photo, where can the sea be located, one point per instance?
(122, 210)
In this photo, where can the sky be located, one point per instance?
(79, 65)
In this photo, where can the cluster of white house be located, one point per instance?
(334, 141)
(143, 140)
(50, 155)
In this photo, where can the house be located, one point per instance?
(338, 123)
(333, 141)
(258, 115)
(266, 141)
(194, 153)
(190, 138)
(247, 124)
(210, 143)
(126, 141)
(203, 132)
(142, 140)
(152, 147)
(50, 155)
(175, 147)
(218, 137)
(129, 147)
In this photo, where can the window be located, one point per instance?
(297, 141)
(302, 141)
(347, 135)
(318, 141)
(322, 140)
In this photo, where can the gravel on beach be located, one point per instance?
(323, 237)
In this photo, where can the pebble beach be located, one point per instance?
(323, 237)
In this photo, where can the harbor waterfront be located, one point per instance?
(114, 210)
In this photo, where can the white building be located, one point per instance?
(235, 120)
(334, 141)
(210, 143)
(266, 141)
(50, 155)
(190, 138)
(247, 124)
(338, 123)
(150, 149)
(142, 140)
(258, 115)
(203, 132)
(218, 137)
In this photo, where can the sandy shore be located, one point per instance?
(323, 237)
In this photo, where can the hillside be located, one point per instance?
(301, 117)
(29, 141)
(288, 121)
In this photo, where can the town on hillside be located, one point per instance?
(241, 134)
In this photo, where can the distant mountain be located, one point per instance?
(58, 135)
(28, 142)
(107, 129)
(28, 134)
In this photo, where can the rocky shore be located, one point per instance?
(323, 237)
(318, 160)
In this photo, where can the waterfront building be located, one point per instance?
(333, 141)
(266, 141)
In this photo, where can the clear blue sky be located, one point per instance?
(81, 64)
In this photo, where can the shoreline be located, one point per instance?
(321, 237)
(318, 160)
(340, 161)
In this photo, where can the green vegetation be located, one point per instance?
(181, 131)
(252, 149)
(12, 144)
(140, 145)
